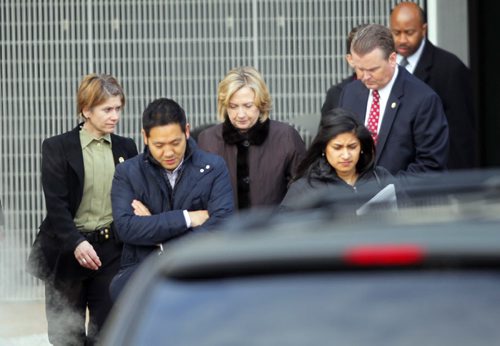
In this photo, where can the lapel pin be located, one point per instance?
(121, 159)
(393, 105)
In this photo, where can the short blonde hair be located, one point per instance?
(96, 89)
(238, 78)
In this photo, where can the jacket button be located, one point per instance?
(246, 143)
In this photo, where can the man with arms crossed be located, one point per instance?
(171, 189)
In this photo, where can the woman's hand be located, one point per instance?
(86, 256)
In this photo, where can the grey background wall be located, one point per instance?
(449, 26)
(179, 49)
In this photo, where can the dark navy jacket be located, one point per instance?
(203, 184)
(413, 137)
(447, 75)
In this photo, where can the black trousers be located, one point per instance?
(66, 301)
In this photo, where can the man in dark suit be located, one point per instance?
(407, 119)
(445, 74)
(76, 252)
(333, 94)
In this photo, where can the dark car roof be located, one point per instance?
(298, 246)
(454, 215)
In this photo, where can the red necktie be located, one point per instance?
(374, 115)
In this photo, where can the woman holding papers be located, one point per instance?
(339, 166)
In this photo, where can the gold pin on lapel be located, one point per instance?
(121, 159)
(393, 105)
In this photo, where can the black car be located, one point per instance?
(428, 274)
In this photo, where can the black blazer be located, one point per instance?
(413, 137)
(451, 80)
(62, 181)
(333, 94)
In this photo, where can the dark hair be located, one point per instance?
(162, 112)
(334, 123)
(371, 37)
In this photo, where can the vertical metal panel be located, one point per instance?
(156, 48)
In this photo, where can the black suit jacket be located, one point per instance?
(333, 94)
(62, 181)
(451, 80)
(413, 136)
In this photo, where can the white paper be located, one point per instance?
(386, 198)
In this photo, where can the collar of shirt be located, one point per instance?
(86, 138)
(384, 93)
(413, 59)
(172, 175)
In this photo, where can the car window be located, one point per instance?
(346, 308)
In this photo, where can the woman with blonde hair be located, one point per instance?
(261, 153)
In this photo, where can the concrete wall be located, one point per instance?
(449, 26)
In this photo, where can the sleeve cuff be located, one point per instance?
(187, 218)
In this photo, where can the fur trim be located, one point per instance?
(243, 140)
(255, 135)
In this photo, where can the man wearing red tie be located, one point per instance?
(404, 115)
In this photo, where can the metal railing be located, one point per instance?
(179, 49)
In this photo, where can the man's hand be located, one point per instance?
(198, 217)
(86, 256)
(140, 209)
